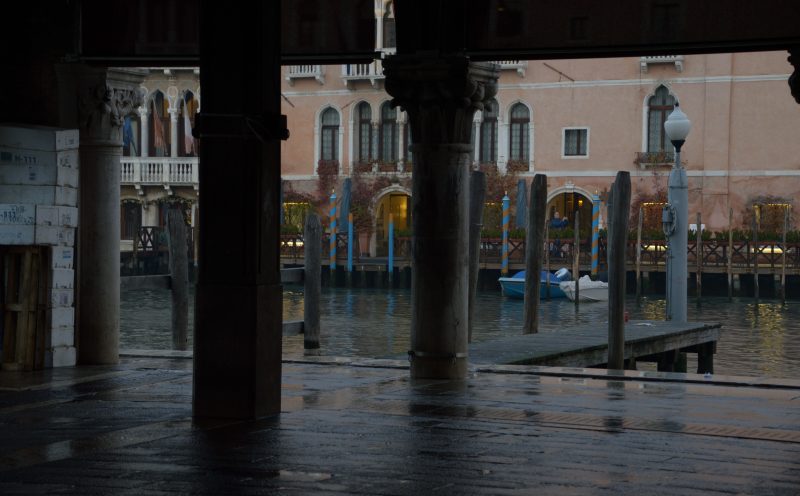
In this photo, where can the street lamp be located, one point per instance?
(676, 219)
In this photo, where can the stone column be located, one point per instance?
(144, 115)
(794, 78)
(440, 96)
(476, 138)
(104, 98)
(376, 151)
(401, 143)
(502, 144)
(173, 132)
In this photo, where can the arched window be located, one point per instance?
(159, 115)
(388, 136)
(364, 132)
(329, 134)
(186, 143)
(389, 36)
(659, 107)
(489, 133)
(520, 142)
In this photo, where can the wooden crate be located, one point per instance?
(24, 303)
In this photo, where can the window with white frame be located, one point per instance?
(520, 135)
(388, 135)
(576, 142)
(489, 133)
(659, 106)
(363, 133)
(329, 136)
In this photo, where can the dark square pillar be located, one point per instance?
(237, 343)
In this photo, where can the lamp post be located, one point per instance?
(676, 219)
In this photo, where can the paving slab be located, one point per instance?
(351, 426)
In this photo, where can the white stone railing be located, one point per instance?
(661, 59)
(513, 65)
(161, 171)
(372, 72)
(304, 71)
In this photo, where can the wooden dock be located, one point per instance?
(646, 341)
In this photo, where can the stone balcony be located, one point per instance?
(676, 60)
(520, 66)
(304, 72)
(166, 172)
(372, 72)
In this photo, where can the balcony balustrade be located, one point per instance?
(649, 160)
(304, 71)
(372, 72)
(644, 62)
(159, 171)
(513, 65)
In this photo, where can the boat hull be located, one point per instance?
(589, 290)
(515, 288)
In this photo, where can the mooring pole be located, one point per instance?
(391, 250)
(477, 195)
(332, 244)
(639, 255)
(576, 256)
(504, 249)
(595, 233)
(756, 212)
(699, 255)
(312, 244)
(534, 244)
(730, 254)
(349, 249)
(783, 253)
(547, 256)
(179, 277)
(616, 272)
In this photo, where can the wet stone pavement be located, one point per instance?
(363, 427)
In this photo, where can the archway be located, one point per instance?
(397, 202)
(564, 204)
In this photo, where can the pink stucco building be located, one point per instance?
(578, 122)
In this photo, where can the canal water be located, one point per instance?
(758, 339)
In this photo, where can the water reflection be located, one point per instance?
(761, 339)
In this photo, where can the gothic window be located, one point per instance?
(159, 115)
(519, 139)
(329, 135)
(489, 133)
(364, 132)
(388, 134)
(658, 107)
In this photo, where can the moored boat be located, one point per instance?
(514, 286)
(588, 289)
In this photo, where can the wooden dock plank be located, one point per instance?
(586, 347)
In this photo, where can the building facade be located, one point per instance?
(576, 121)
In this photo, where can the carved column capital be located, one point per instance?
(794, 79)
(440, 94)
(103, 102)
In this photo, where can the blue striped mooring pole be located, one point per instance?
(391, 248)
(332, 213)
(595, 233)
(504, 259)
(349, 242)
